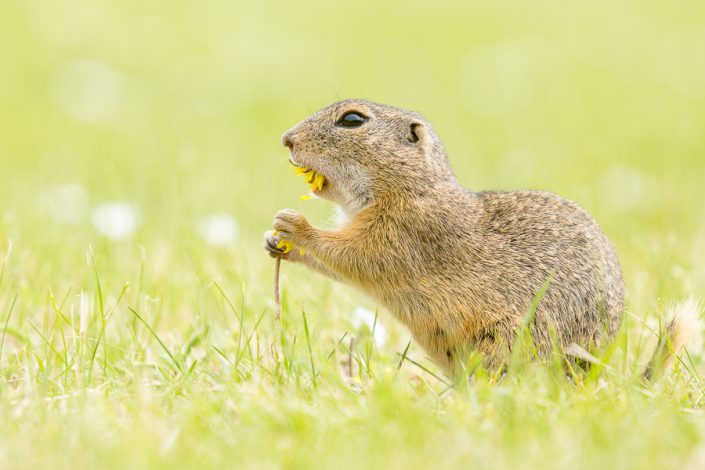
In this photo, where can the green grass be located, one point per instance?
(160, 349)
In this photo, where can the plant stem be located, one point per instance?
(277, 302)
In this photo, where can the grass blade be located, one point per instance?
(240, 318)
(523, 339)
(4, 262)
(161, 343)
(425, 369)
(48, 343)
(403, 355)
(7, 321)
(310, 350)
(337, 345)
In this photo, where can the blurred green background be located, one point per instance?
(177, 107)
(149, 131)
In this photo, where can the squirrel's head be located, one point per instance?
(368, 150)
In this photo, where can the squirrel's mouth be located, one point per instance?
(315, 179)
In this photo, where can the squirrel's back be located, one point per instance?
(543, 238)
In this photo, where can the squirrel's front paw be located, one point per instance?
(292, 226)
(276, 249)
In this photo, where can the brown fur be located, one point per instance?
(681, 323)
(459, 268)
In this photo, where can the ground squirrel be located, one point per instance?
(459, 268)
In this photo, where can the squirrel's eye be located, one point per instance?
(351, 119)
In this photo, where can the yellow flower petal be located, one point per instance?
(286, 244)
(314, 179)
(318, 182)
(304, 197)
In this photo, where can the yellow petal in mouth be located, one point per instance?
(314, 179)
(318, 180)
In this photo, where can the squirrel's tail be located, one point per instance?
(682, 323)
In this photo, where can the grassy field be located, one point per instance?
(140, 164)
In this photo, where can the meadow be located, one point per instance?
(140, 163)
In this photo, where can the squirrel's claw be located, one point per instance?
(271, 244)
(277, 247)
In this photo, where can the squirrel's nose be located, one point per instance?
(288, 141)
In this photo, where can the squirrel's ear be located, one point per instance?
(413, 132)
(417, 133)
